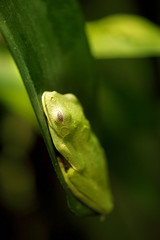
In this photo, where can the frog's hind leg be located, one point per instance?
(90, 193)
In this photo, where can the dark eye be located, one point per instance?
(60, 116)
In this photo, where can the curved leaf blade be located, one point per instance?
(50, 53)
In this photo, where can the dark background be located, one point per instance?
(32, 201)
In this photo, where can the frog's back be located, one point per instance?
(97, 162)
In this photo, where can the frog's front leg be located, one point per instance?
(69, 154)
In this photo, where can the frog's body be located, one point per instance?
(82, 159)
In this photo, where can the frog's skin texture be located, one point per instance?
(81, 158)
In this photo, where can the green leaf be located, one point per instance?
(123, 36)
(48, 43)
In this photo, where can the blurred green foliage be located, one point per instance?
(127, 121)
(123, 35)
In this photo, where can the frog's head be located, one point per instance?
(64, 112)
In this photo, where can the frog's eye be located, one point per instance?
(59, 116)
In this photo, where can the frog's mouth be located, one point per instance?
(43, 103)
(45, 107)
